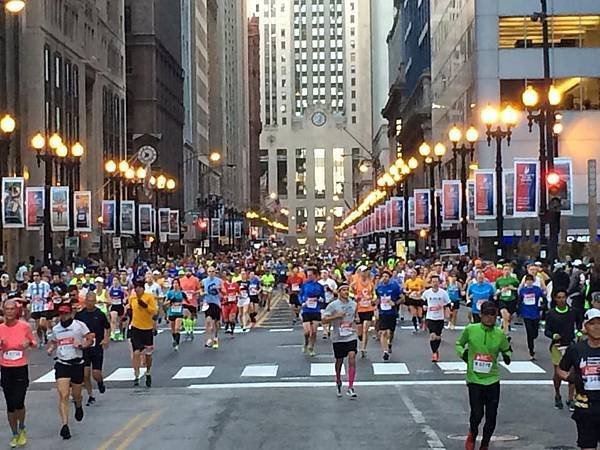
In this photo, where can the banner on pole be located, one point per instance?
(35, 198)
(82, 211)
(451, 201)
(508, 186)
(564, 168)
(145, 219)
(13, 211)
(59, 208)
(485, 194)
(109, 216)
(526, 190)
(422, 208)
(127, 217)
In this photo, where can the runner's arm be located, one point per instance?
(461, 345)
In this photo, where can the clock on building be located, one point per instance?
(319, 119)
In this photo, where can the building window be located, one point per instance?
(281, 172)
(301, 222)
(300, 173)
(319, 154)
(338, 171)
(564, 31)
(264, 172)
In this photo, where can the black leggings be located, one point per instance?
(532, 327)
(483, 399)
(15, 381)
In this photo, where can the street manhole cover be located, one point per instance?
(500, 438)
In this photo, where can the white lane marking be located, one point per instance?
(280, 330)
(329, 384)
(433, 439)
(324, 370)
(390, 369)
(457, 367)
(189, 372)
(47, 378)
(260, 370)
(124, 374)
(522, 367)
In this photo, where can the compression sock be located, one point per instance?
(351, 375)
(338, 377)
(435, 345)
(306, 336)
(414, 321)
(420, 320)
(253, 317)
(232, 325)
(176, 336)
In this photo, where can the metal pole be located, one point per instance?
(406, 216)
(499, 193)
(549, 114)
(4, 148)
(47, 212)
(543, 201)
(463, 187)
(432, 206)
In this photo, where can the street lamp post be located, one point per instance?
(407, 170)
(492, 118)
(543, 113)
(439, 151)
(455, 135)
(48, 150)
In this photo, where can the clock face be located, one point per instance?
(319, 119)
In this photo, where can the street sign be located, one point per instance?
(72, 243)
(116, 243)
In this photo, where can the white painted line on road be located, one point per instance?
(260, 370)
(48, 378)
(522, 367)
(124, 374)
(324, 370)
(457, 367)
(186, 373)
(433, 439)
(329, 384)
(280, 330)
(390, 369)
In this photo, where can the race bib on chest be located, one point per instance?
(529, 299)
(253, 291)
(13, 355)
(590, 372)
(346, 329)
(115, 300)
(479, 303)
(435, 308)
(386, 303)
(295, 287)
(311, 302)
(177, 308)
(231, 298)
(482, 363)
(365, 302)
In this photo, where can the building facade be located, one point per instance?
(316, 109)
(72, 82)
(155, 104)
(254, 102)
(488, 52)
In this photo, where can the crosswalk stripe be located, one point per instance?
(280, 330)
(47, 378)
(260, 370)
(522, 367)
(390, 369)
(189, 372)
(124, 374)
(324, 370)
(458, 366)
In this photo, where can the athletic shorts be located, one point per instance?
(93, 357)
(191, 308)
(294, 300)
(15, 381)
(311, 317)
(387, 322)
(588, 429)
(510, 306)
(73, 372)
(43, 315)
(119, 309)
(414, 302)
(228, 309)
(455, 306)
(435, 326)
(141, 339)
(366, 316)
(213, 311)
(341, 349)
(254, 299)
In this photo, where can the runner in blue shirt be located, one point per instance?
(530, 308)
(311, 294)
(479, 292)
(388, 297)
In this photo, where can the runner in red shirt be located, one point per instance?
(294, 282)
(15, 338)
(231, 290)
(190, 285)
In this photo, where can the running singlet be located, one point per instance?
(190, 285)
(363, 291)
(11, 344)
(231, 291)
(116, 295)
(38, 294)
(436, 301)
(68, 342)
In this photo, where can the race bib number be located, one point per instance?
(311, 302)
(177, 308)
(591, 375)
(346, 329)
(482, 363)
(115, 301)
(479, 303)
(386, 303)
(204, 307)
(435, 308)
(244, 294)
(295, 287)
(37, 304)
(365, 302)
(13, 355)
(231, 298)
(253, 291)
(529, 299)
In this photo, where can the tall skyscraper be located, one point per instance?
(316, 108)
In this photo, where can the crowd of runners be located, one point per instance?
(73, 313)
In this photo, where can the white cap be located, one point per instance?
(591, 314)
(156, 272)
(362, 268)
(78, 270)
(577, 262)
(99, 280)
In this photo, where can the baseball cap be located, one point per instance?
(99, 280)
(362, 268)
(155, 272)
(591, 314)
(577, 262)
(78, 270)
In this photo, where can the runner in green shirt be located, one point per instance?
(479, 346)
(507, 287)
(267, 281)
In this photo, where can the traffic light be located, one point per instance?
(555, 185)
(202, 225)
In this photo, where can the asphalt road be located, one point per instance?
(259, 391)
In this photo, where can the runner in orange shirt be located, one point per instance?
(190, 285)
(363, 288)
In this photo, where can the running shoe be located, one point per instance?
(339, 389)
(65, 433)
(215, 345)
(209, 343)
(571, 405)
(136, 382)
(101, 387)
(91, 401)
(435, 357)
(532, 356)
(78, 413)
(176, 348)
(305, 349)
(311, 352)
(558, 404)
(14, 442)
(22, 438)
(363, 354)
(350, 393)
(386, 356)
(470, 442)
(148, 380)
